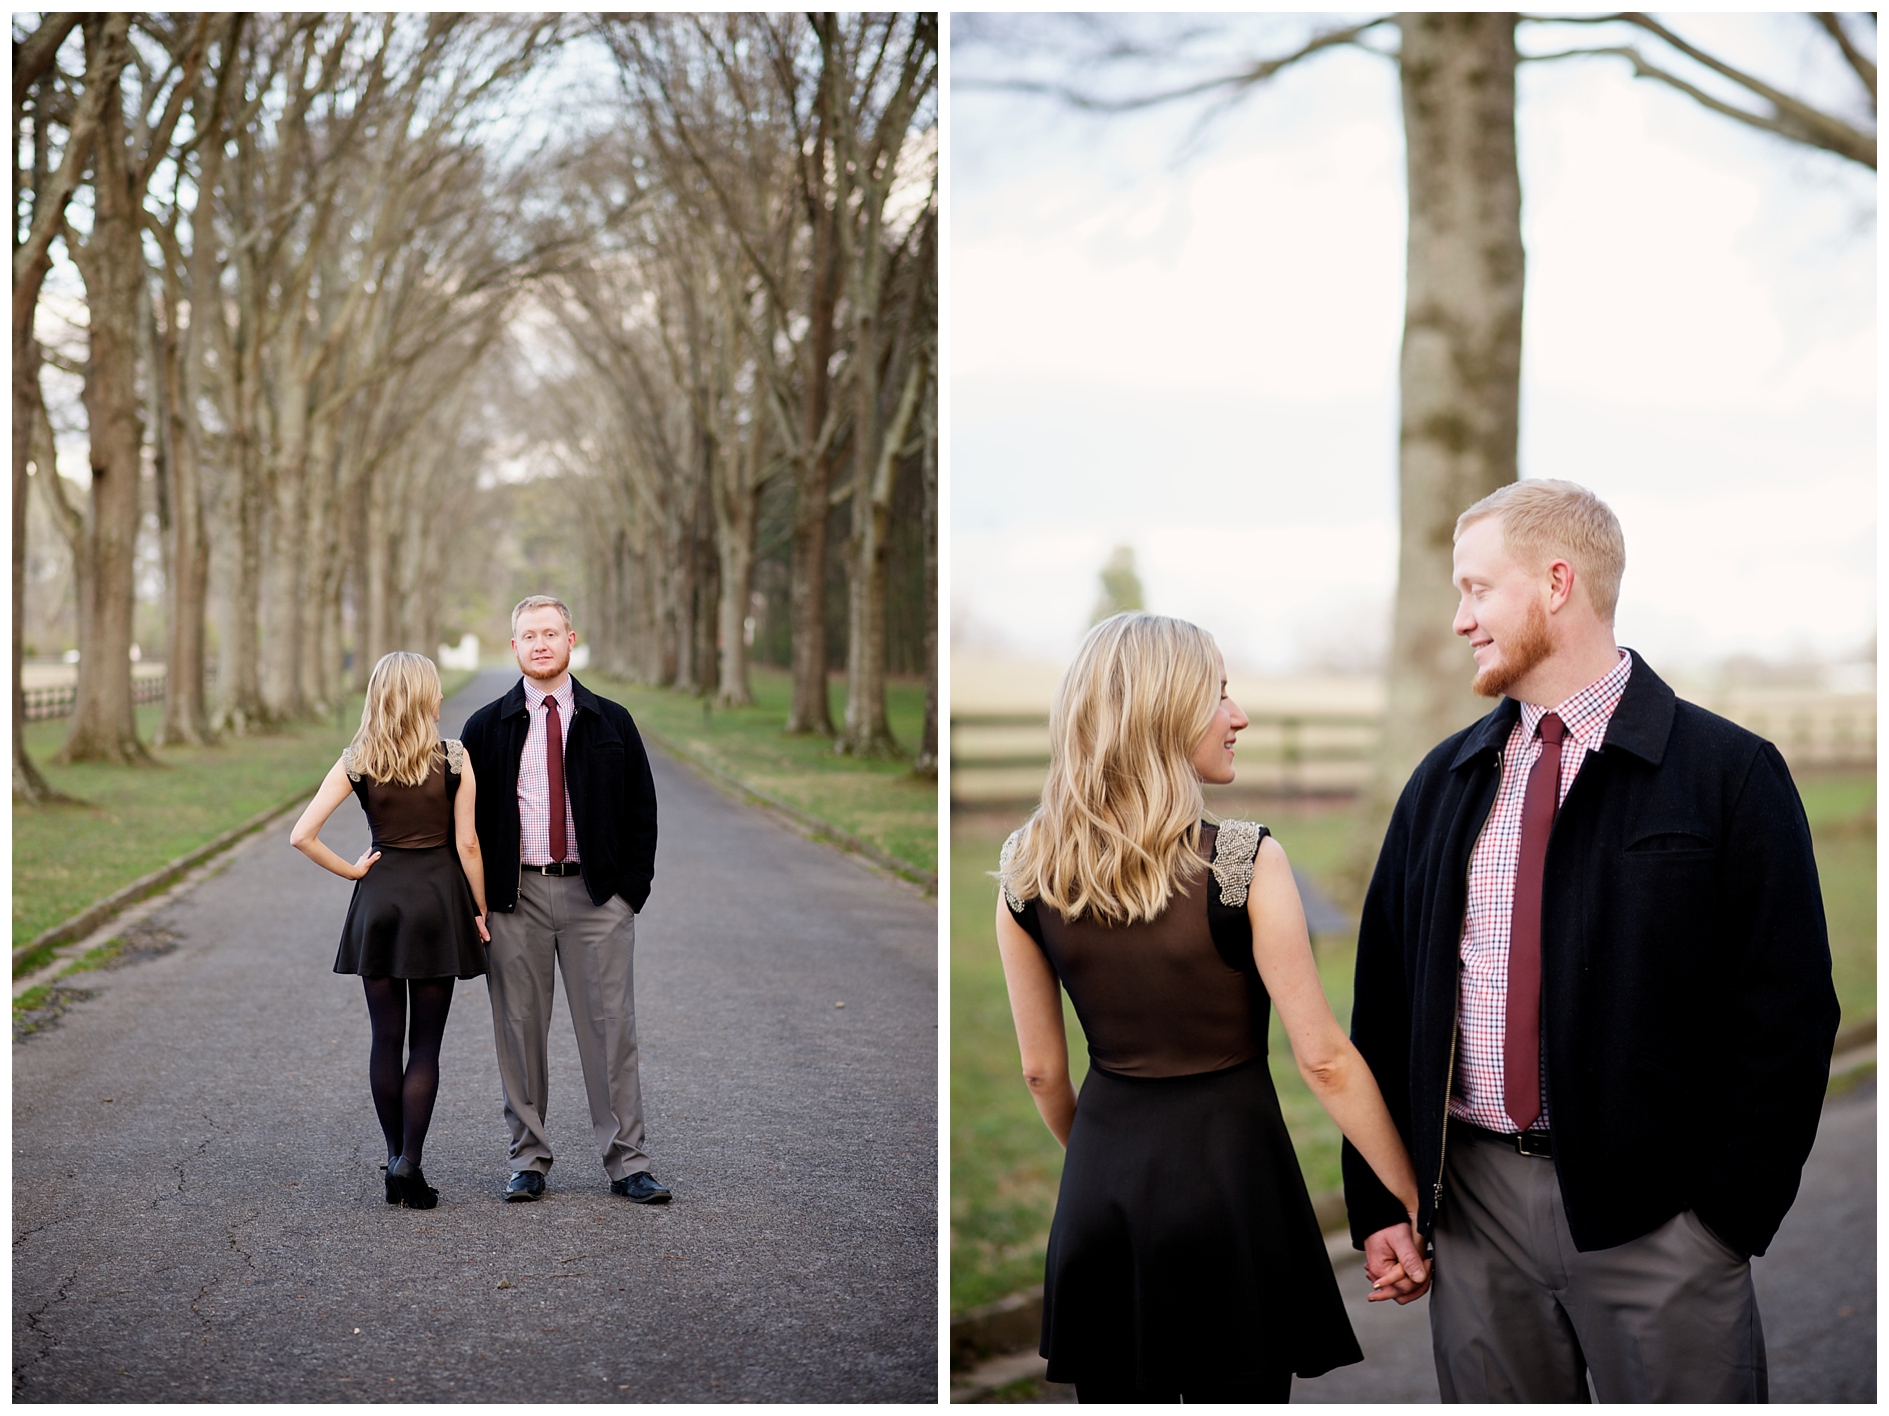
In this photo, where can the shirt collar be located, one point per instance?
(1586, 712)
(535, 696)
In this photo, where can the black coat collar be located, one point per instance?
(1640, 725)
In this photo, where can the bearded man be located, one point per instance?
(567, 823)
(1593, 982)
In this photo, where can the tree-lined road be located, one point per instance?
(197, 1200)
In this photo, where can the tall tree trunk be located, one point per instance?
(808, 712)
(186, 716)
(737, 523)
(107, 51)
(28, 784)
(239, 705)
(111, 262)
(867, 733)
(926, 762)
(321, 550)
(708, 588)
(285, 564)
(1460, 375)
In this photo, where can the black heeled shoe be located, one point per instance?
(414, 1192)
(394, 1188)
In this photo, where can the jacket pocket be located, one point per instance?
(1671, 843)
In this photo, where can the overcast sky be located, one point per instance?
(1198, 358)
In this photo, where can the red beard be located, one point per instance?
(1531, 645)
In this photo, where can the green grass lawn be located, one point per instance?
(1005, 1166)
(139, 818)
(878, 800)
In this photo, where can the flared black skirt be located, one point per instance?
(412, 917)
(1184, 1247)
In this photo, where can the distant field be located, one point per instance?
(1005, 1166)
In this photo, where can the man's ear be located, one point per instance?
(1560, 584)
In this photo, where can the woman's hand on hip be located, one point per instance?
(361, 866)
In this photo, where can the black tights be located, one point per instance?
(403, 1097)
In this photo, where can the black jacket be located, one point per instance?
(1687, 1008)
(606, 772)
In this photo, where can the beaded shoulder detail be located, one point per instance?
(347, 763)
(1233, 855)
(1003, 870)
(455, 755)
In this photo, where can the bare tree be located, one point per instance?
(869, 147)
(126, 154)
(41, 193)
(1459, 376)
(785, 144)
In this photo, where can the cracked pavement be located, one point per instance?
(197, 1199)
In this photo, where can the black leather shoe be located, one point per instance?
(640, 1187)
(524, 1185)
(415, 1193)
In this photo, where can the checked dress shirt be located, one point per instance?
(534, 785)
(1482, 996)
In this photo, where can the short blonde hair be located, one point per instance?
(398, 739)
(540, 602)
(1544, 519)
(1119, 825)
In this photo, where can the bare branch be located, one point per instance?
(1794, 120)
(35, 55)
(1237, 81)
(1865, 67)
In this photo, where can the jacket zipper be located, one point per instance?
(1456, 1011)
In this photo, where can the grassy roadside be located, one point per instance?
(880, 801)
(1005, 1166)
(136, 819)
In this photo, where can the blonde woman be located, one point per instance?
(1184, 1260)
(418, 915)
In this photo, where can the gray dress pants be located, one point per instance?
(595, 946)
(1517, 1313)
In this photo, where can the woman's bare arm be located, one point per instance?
(466, 838)
(1332, 1067)
(1036, 1006)
(306, 835)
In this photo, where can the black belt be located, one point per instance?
(563, 867)
(1535, 1143)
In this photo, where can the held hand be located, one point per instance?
(483, 934)
(1393, 1261)
(368, 857)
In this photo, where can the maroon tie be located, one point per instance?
(554, 775)
(1521, 1038)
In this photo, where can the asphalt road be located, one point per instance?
(1816, 1288)
(1816, 1297)
(197, 1207)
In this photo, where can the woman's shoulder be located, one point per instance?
(1005, 862)
(1235, 848)
(455, 755)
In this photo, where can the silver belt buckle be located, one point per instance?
(1523, 1146)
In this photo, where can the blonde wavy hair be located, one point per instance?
(1119, 825)
(398, 739)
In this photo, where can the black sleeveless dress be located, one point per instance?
(412, 915)
(1184, 1248)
